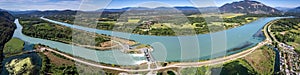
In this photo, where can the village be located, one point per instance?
(289, 60)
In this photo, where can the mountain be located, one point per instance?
(7, 28)
(250, 7)
(123, 9)
(284, 9)
(22, 12)
(294, 12)
(37, 13)
(187, 10)
(246, 6)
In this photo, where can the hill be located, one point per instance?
(284, 9)
(294, 12)
(7, 28)
(37, 13)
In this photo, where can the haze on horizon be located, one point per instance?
(90, 5)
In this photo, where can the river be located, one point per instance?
(166, 48)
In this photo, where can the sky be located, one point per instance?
(90, 5)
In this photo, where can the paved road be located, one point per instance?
(268, 30)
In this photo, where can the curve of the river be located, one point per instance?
(98, 56)
(166, 48)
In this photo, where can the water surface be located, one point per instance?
(166, 48)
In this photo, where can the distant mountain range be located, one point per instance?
(246, 6)
(183, 9)
(295, 11)
(37, 13)
(22, 12)
(283, 9)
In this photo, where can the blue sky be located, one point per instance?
(97, 4)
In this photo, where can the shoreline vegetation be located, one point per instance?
(35, 27)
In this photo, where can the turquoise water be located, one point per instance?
(166, 48)
(99, 56)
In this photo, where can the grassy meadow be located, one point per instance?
(13, 46)
(262, 60)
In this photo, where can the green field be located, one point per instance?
(231, 15)
(262, 60)
(14, 45)
(133, 20)
(225, 15)
(158, 25)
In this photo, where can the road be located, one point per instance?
(268, 31)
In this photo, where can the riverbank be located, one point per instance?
(37, 28)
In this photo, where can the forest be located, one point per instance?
(7, 28)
